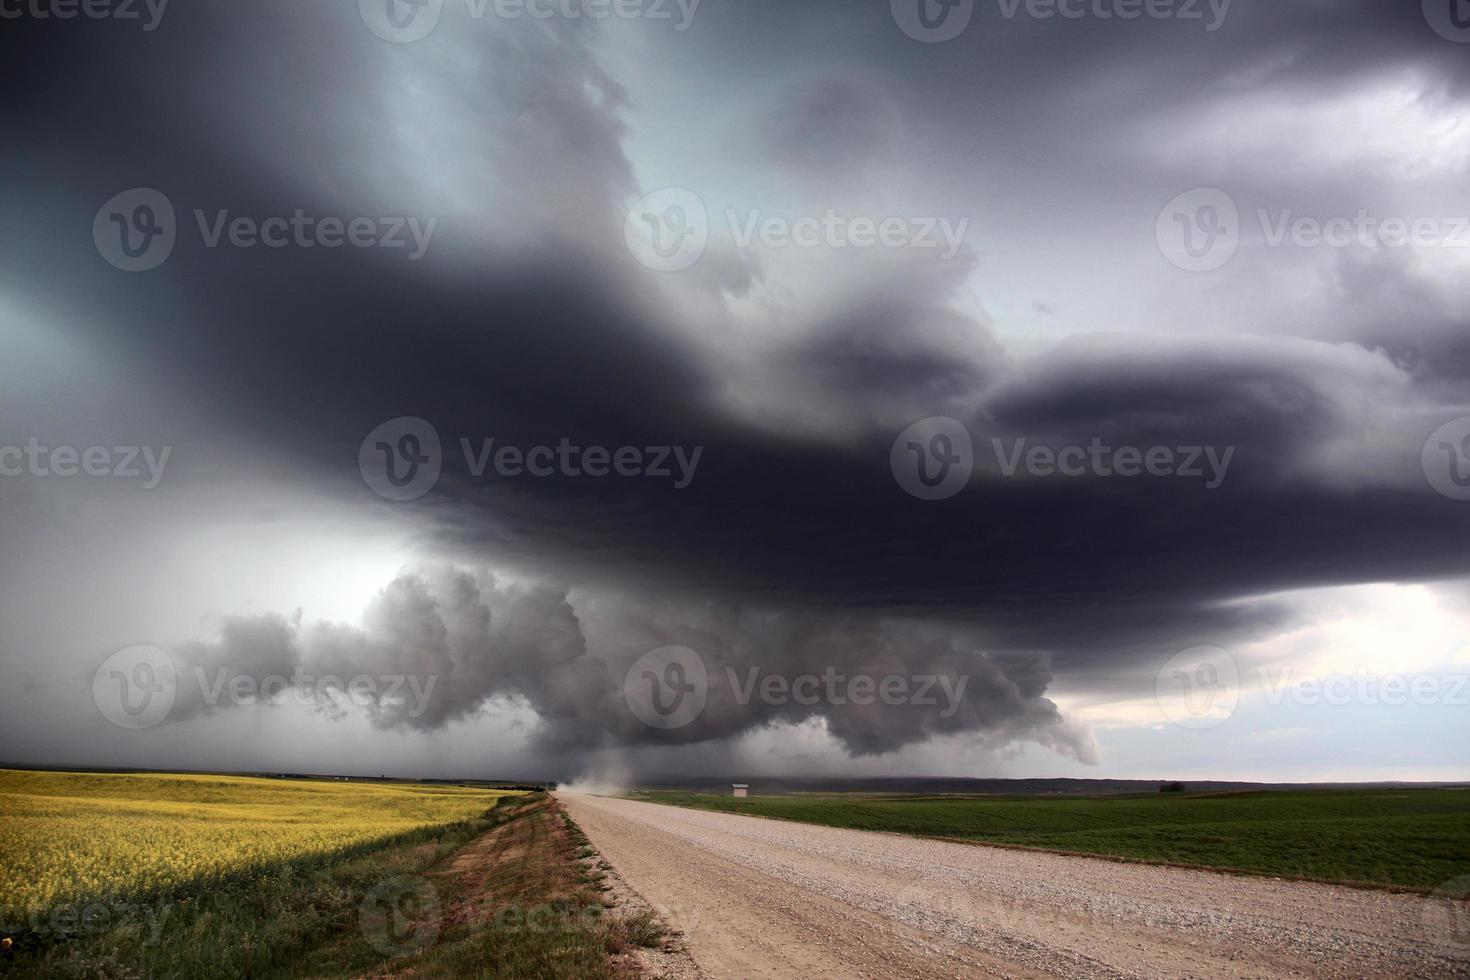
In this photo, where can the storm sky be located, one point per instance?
(640, 226)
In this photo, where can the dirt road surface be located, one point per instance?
(763, 898)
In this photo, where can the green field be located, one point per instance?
(1406, 838)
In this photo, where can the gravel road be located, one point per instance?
(763, 898)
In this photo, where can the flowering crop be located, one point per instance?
(70, 837)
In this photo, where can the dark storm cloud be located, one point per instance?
(535, 325)
(832, 125)
(1418, 322)
(1061, 97)
(897, 351)
(464, 639)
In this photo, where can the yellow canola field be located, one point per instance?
(70, 837)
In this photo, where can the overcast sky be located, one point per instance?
(1100, 382)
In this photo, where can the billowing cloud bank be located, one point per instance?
(462, 640)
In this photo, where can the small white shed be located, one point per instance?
(740, 789)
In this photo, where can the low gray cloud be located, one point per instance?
(469, 639)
